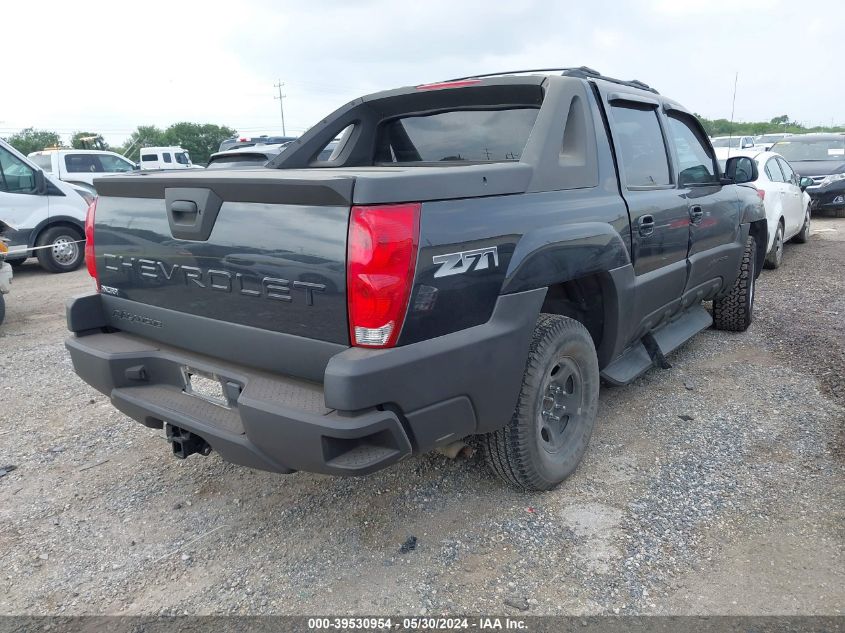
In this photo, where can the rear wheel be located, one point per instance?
(804, 234)
(2, 309)
(64, 251)
(556, 410)
(775, 256)
(733, 312)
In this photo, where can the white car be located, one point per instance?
(81, 166)
(40, 215)
(166, 158)
(727, 146)
(787, 204)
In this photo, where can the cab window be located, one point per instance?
(112, 164)
(695, 163)
(82, 163)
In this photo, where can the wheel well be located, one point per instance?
(64, 223)
(581, 299)
(758, 230)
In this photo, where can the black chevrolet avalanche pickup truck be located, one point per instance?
(472, 260)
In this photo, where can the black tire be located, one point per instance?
(67, 252)
(804, 234)
(2, 309)
(734, 311)
(538, 449)
(774, 258)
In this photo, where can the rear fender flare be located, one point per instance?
(548, 256)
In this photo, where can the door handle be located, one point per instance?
(695, 214)
(183, 211)
(646, 225)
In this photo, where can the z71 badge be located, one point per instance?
(457, 263)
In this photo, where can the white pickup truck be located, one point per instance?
(81, 166)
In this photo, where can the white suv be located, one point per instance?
(40, 215)
(81, 166)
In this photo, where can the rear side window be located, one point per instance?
(642, 152)
(149, 158)
(456, 136)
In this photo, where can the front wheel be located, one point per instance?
(804, 234)
(64, 250)
(733, 312)
(556, 410)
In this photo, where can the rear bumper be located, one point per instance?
(374, 407)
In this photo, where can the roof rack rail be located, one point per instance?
(584, 72)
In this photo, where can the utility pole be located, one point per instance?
(281, 98)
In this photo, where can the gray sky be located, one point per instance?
(111, 66)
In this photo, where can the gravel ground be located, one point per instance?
(713, 488)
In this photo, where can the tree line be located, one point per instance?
(201, 140)
(779, 124)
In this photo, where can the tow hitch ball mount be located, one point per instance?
(185, 443)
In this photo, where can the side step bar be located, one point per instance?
(670, 337)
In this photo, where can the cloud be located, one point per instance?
(113, 67)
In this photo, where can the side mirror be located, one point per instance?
(741, 169)
(805, 182)
(40, 182)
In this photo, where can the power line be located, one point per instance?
(281, 99)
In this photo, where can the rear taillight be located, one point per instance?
(761, 193)
(382, 254)
(90, 262)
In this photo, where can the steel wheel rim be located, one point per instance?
(562, 403)
(65, 250)
(779, 245)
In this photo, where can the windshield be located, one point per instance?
(456, 136)
(726, 142)
(43, 161)
(182, 158)
(811, 149)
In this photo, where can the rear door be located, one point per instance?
(659, 213)
(793, 199)
(712, 208)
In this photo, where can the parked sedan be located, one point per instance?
(822, 158)
(787, 204)
(244, 157)
(256, 156)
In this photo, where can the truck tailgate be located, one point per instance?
(263, 249)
